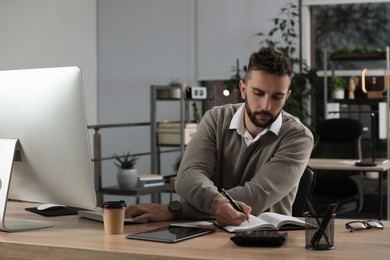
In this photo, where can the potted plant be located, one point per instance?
(338, 85)
(305, 81)
(127, 175)
(359, 52)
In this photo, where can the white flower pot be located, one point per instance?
(338, 94)
(127, 178)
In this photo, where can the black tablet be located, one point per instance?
(171, 234)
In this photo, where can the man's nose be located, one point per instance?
(266, 104)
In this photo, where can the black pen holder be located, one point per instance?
(319, 231)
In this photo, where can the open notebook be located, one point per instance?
(266, 221)
(98, 216)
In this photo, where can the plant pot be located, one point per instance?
(338, 94)
(127, 178)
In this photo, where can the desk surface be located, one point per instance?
(336, 164)
(77, 238)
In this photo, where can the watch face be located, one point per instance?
(175, 205)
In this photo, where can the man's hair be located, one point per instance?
(270, 60)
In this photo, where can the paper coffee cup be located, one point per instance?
(113, 216)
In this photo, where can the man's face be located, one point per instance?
(265, 95)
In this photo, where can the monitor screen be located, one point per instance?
(44, 110)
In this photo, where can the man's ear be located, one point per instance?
(242, 89)
(287, 96)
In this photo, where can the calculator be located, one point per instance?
(272, 238)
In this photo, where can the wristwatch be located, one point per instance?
(175, 207)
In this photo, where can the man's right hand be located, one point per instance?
(225, 214)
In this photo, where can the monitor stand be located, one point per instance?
(7, 153)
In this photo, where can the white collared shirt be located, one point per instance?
(238, 124)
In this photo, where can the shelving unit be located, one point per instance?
(159, 93)
(97, 160)
(372, 104)
(164, 93)
(359, 108)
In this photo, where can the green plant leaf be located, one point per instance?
(125, 161)
(284, 28)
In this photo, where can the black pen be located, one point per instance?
(314, 214)
(232, 201)
(325, 221)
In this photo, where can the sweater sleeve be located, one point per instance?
(194, 179)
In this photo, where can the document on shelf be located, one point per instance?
(150, 180)
(267, 221)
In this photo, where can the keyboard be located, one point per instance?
(259, 238)
(98, 216)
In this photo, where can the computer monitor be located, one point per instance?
(45, 155)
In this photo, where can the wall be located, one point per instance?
(141, 42)
(226, 31)
(51, 33)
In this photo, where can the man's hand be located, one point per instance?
(149, 211)
(225, 214)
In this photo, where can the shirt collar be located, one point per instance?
(237, 122)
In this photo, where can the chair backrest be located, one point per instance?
(339, 138)
(305, 190)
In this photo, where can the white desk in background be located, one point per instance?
(340, 165)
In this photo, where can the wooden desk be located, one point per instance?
(336, 164)
(76, 238)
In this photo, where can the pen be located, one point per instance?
(232, 201)
(328, 216)
(318, 221)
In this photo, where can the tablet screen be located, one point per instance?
(171, 234)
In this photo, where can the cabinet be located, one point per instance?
(172, 135)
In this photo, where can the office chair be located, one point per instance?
(305, 191)
(338, 139)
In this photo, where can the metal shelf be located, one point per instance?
(164, 93)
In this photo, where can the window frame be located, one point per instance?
(306, 46)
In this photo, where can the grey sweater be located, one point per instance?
(264, 175)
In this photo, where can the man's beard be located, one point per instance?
(252, 116)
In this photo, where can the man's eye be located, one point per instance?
(278, 97)
(259, 93)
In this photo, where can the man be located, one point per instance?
(256, 151)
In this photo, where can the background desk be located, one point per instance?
(76, 238)
(335, 164)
